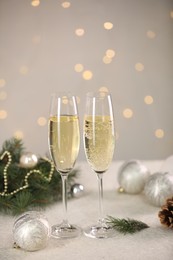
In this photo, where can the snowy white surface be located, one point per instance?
(152, 243)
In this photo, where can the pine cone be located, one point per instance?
(166, 214)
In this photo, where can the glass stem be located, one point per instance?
(64, 199)
(100, 187)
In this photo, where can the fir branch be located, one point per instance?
(21, 202)
(39, 193)
(125, 225)
(15, 147)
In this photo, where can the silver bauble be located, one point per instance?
(77, 190)
(132, 177)
(31, 231)
(159, 187)
(28, 160)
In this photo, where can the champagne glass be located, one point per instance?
(99, 142)
(64, 140)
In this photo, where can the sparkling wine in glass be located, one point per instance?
(64, 141)
(99, 142)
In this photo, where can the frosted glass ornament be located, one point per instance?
(132, 177)
(31, 231)
(159, 187)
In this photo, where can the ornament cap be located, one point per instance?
(120, 190)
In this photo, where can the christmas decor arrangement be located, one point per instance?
(159, 187)
(135, 177)
(125, 225)
(31, 231)
(26, 181)
(166, 213)
(132, 177)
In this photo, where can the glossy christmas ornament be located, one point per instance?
(28, 160)
(159, 187)
(77, 190)
(31, 231)
(132, 177)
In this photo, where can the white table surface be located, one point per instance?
(155, 242)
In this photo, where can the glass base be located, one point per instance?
(99, 231)
(65, 231)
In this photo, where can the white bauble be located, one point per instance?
(159, 187)
(31, 231)
(28, 160)
(132, 177)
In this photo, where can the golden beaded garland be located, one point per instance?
(5, 192)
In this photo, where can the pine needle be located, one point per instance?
(126, 226)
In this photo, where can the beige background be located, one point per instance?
(41, 46)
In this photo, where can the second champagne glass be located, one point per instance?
(99, 142)
(64, 140)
